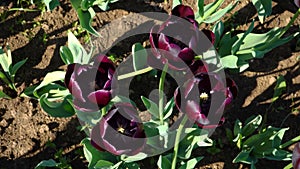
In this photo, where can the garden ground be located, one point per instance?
(28, 134)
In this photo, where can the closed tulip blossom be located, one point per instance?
(120, 131)
(90, 85)
(206, 94)
(178, 40)
(296, 156)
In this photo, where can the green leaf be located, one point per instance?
(3, 95)
(57, 109)
(201, 8)
(5, 61)
(238, 43)
(79, 54)
(66, 55)
(91, 118)
(279, 88)
(175, 3)
(47, 163)
(103, 164)
(139, 55)
(194, 136)
(49, 78)
(51, 4)
(229, 61)
(263, 7)
(92, 155)
(163, 162)
(245, 157)
(218, 31)
(191, 163)
(251, 126)
(220, 13)
(4, 77)
(85, 20)
(137, 157)
(86, 4)
(122, 99)
(151, 107)
(168, 110)
(279, 155)
(17, 66)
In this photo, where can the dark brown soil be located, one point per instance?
(26, 130)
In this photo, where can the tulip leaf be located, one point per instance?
(163, 162)
(190, 141)
(137, 157)
(168, 110)
(103, 164)
(218, 31)
(79, 54)
(5, 60)
(93, 155)
(57, 109)
(3, 95)
(279, 88)
(151, 107)
(220, 13)
(122, 99)
(263, 7)
(236, 46)
(251, 126)
(139, 55)
(49, 78)
(191, 163)
(176, 2)
(91, 118)
(86, 4)
(51, 4)
(17, 66)
(201, 7)
(47, 163)
(66, 55)
(229, 61)
(245, 157)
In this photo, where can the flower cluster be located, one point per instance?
(120, 130)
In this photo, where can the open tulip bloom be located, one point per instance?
(179, 39)
(90, 85)
(120, 131)
(204, 95)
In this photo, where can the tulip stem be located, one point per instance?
(135, 73)
(161, 94)
(177, 141)
(290, 23)
(296, 139)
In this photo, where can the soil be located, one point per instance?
(27, 132)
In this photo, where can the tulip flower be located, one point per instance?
(185, 42)
(90, 85)
(296, 156)
(120, 131)
(204, 94)
(297, 2)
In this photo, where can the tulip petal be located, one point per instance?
(101, 97)
(192, 110)
(183, 11)
(297, 2)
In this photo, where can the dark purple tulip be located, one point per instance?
(179, 39)
(120, 131)
(90, 85)
(297, 2)
(296, 156)
(204, 94)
